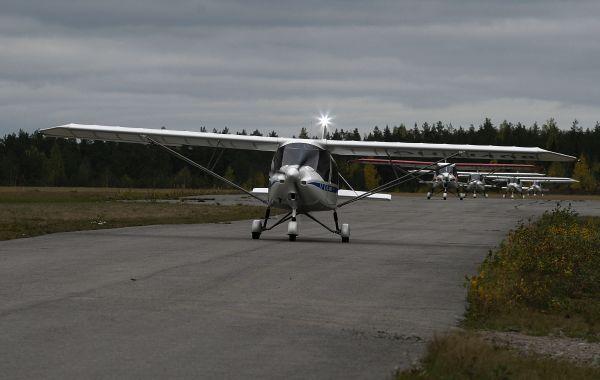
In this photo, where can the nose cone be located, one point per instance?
(292, 174)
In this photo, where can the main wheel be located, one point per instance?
(292, 237)
(445, 195)
(474, 195)
(256, 228)
(345, 233)
(429, 195)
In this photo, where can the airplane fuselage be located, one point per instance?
(303, 177)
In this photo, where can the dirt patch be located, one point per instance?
(575, 350)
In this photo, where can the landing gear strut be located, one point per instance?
(258, 226)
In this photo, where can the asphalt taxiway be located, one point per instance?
(207, 301)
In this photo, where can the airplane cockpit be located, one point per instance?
(446, 168)
(302, 154)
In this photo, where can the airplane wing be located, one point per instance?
(459, 165)
(439, 151)
(341, 193)
(164, 136)
(354, 148)
(549, 180)
(508, 175)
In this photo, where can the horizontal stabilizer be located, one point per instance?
(352, 194)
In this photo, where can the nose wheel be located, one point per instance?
(292, 229)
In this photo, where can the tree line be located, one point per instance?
(30, 159)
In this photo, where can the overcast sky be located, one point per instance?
(276, 64)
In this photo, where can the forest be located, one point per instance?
(30, 159)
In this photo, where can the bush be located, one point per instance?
(549, 266)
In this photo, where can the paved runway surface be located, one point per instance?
(207, 301)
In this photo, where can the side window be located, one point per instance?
(324, 165)
(335, 177)
(277, 158)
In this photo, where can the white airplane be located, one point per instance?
(515, 183)
(536, 185)
(446, 175)
(303, 176)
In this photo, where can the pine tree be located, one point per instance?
(55, 167)
(583, 174)
(371, 177)
(303, 133)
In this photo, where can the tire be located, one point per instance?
(345, 239)
(256, 235)
(292, 237)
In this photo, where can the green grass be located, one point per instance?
(460, 356)
(36, 211)
(544, 279)
(96, 194)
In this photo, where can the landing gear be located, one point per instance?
(292, 230)
(512, 195)
(293, 227)
(461, 196)
(474, 195)
(257, 228)
(485, 195)
(445, 195)
(429, 195)
(504, 196)
(345, 233)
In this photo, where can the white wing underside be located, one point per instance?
(341, 193)
(261, 143)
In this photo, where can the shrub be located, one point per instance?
(549, 266)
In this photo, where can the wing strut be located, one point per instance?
(204, 169)
(396, 181)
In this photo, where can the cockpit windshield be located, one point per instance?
(445, 168)
(304, 155)
(300, 154)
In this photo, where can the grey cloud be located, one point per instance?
(274, 64)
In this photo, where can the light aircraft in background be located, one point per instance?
(304, 177)
(515, 183)
(446, 176)
(536, 184)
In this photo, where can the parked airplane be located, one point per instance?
(446, 175)
(515, 183)
(536, 185)
(303, 176)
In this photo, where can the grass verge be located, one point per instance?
(544, 279)
(32, 212)
(10, 194)
(466, 356)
